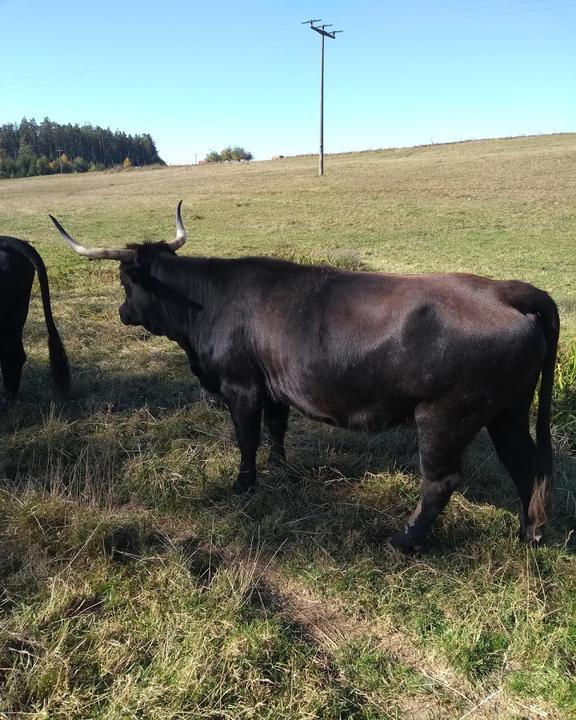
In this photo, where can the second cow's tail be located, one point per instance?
(58, 358)
(530, 300)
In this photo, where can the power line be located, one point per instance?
(492, 3)
(487, 11)
(41, 81)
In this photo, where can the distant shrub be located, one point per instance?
(61, 164)
(229, 154)
(42, 166)
(226, 154)
(213, 157)
(80, 165)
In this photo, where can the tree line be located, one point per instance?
(29, 148)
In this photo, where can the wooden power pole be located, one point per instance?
(321, 30)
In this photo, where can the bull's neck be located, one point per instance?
(185, 299)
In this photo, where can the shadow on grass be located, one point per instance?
(338, 486)
(136, 473)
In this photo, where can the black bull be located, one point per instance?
(18, 261)
(453, 352)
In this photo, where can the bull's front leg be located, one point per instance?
(245, 405)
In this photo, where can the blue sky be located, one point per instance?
(200, 76)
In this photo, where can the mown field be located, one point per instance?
(135, 584)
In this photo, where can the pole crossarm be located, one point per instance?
(322, 28)
(326, 33)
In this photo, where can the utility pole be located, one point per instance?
(321, 30)
(60, 151)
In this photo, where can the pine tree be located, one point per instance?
(32, 149)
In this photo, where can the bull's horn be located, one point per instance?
(94, 253)
(181, 234)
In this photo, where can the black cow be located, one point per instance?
(359, 350)
(18, 261)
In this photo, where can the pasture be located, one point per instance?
(135, 584)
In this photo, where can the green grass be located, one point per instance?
(133, 583)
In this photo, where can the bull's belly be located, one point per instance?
(368, 418)
(358, 401)
(372, 419)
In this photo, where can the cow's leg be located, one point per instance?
(276, 422)
(12, 359)
(436, 490)
(510, 433)
(245, 405)
(442, 436)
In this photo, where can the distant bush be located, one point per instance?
(229, 154)
(80, 165)
(239, 153)
(213, 157)
(61, 164)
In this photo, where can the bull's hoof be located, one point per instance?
(531, 536)
(405, 542)
(276, 461)
(241, 488)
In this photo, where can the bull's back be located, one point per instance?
(364, 349)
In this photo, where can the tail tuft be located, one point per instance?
(540, 506)
(59, 365)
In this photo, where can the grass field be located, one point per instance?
(134, 584)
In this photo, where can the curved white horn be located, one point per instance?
(93, 253)
(181, 234)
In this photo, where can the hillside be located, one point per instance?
(133, 583)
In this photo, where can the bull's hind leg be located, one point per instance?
(510, 433)
(442, 437)
(12, 359)
(276, 422)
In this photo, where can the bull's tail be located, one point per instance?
(531, 300)
(58, 358)
(542, 492)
